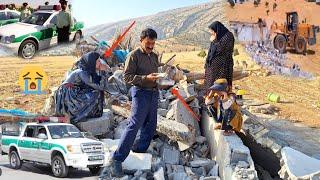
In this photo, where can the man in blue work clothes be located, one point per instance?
(140, 68)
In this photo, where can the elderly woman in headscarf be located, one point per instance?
(81, 95)
(219, 62)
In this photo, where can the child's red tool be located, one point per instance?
(117, 42)
(175, 92)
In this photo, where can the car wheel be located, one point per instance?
(27, 49)
(77, 37)
(15, 161)
(59, 168)
(95, 170)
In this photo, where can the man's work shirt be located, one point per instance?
(64, 19)
(138, 65)
(24, 14)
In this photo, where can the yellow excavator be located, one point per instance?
(293, 34)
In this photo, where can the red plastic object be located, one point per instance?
(117, 42)
(175, 92)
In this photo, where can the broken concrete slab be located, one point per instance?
(162, 112)
(228, 151)
(296, 165)
(122, 111)
(98, 126)
(183, 146)
(199, 171)
(214, 171)
(187, 91)
(202, 163)
(159, 175)
(182, 115)
(135, 161)
(201, 139)
(209, 178)
(163, 103)
(170, 155)
(175, 130)
(178, 176)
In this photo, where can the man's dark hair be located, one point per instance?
(46, 3)
(148, 33)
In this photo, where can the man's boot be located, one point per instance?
(116, 168)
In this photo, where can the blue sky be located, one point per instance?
(95, 12)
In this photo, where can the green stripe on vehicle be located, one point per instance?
(7, 142)
(10, 21)
(32, 144)
(46, 33)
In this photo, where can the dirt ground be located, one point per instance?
(11, 98)
(248, 13)
(298, 96)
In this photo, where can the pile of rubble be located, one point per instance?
(275, 62)
(179, 151)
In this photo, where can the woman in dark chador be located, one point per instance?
(219, 62)
(81, 95)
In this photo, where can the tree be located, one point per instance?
(267, 4)
(268, 12)
(202, 54)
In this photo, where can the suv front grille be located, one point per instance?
(92, 147)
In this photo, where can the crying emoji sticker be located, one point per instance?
(33, 80)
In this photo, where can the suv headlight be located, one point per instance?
(8, 39)
(74, 149)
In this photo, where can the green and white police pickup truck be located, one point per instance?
(59, 145)
(36, 32)
(9, 17)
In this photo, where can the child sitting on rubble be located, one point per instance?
(223, 107)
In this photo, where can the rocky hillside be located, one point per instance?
(186, 25)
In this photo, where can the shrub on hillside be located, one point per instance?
(202, 54)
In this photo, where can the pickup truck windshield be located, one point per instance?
(37, 18)
(64, 131)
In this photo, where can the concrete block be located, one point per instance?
(202, 163)
(214, 171)
(189, 171)
(175, 131)
(135, 161)
(276, 148)
(182, 115)
(170, 155)
(163, 103)
(178, 176)
(296, 165)
(178, 168)
(228, 151)
(162, 112)
(98, 126)
(159, 175)
(209, 178)
(200, 171)
(183, 146)
(201, 139)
